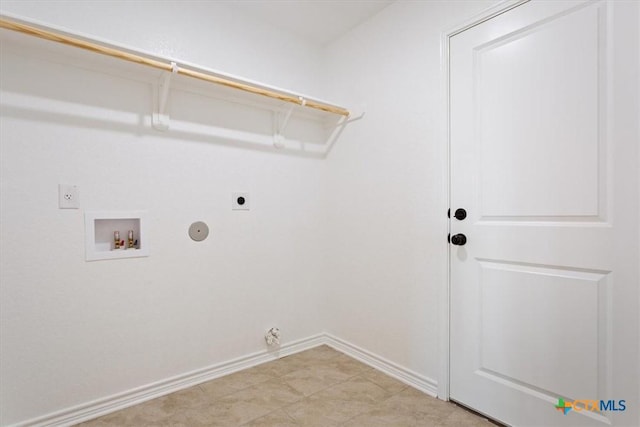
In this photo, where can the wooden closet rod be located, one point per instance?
(116, 53)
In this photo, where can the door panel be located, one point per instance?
(538, 120)
(519, 127)
(542, 301)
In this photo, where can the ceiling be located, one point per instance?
(318, 21)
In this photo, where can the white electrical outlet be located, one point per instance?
(240, 201)
(68, 196)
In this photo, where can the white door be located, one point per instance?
(544, 159)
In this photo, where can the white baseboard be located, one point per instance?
(407, 376)
(116, 402)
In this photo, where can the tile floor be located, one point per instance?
(318, 387)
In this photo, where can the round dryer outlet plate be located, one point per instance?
(198, 231)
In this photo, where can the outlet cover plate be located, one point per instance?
(240, 201)
(68, 196)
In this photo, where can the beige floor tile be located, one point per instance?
(347, 365)
(320, 387)
(153, 412)
(423, 407)
(277, 418)
(288, 365)
(303, 360)
(391, 385)
(342, 401)
(382, 418)
(193, 417)
(244, 405)
(309, 414)
(278, 368)
(272, 394)
(214, 390)
(462, 417)
(228, 412)
(387, 417)
(330, 409)
(323, 352)
(144, 413)
(315, 377)
(187, 398)
(357, 388)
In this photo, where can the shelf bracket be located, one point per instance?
(280, 122)
(160, 120)
(339, 127)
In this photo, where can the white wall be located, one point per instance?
(386, 198)
(354, 245)
(74, 331)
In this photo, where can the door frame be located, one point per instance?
(444, 302)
